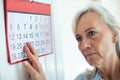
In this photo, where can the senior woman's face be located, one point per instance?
(95, 39)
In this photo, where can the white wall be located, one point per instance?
(74, 62)
(2, 37)
(66, 62)
(52, 65)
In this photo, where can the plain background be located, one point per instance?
(67, 61)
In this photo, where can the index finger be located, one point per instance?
(32, 49)
(29, 54)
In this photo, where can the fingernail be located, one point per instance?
(25, 63)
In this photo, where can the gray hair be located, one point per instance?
(106, 16)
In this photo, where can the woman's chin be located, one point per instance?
(93, 62)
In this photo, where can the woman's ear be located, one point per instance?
(115, 37)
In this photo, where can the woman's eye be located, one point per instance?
(92, 33)
(78, 39)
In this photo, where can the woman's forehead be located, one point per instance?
(90, 19)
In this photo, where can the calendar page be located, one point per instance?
(28, 26)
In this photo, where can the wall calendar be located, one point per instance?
(27, 22)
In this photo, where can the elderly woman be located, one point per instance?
(97, 34)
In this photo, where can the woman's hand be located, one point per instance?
(33, 67)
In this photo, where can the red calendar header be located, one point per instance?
(27, 6)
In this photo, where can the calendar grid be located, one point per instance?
(27, 26)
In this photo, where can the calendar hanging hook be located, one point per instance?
(31, 1)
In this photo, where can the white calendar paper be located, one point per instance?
(28, 27)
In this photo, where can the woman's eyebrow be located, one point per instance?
(85, 31)
(89, 29)
(77, 35)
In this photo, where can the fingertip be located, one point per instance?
(28, 43)
(25, 63)
(25, 48)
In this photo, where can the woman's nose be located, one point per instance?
(85, 44)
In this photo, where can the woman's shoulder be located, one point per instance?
(83, 76)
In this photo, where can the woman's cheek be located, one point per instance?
(103, 47)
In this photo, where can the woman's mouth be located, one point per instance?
(90, 55)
